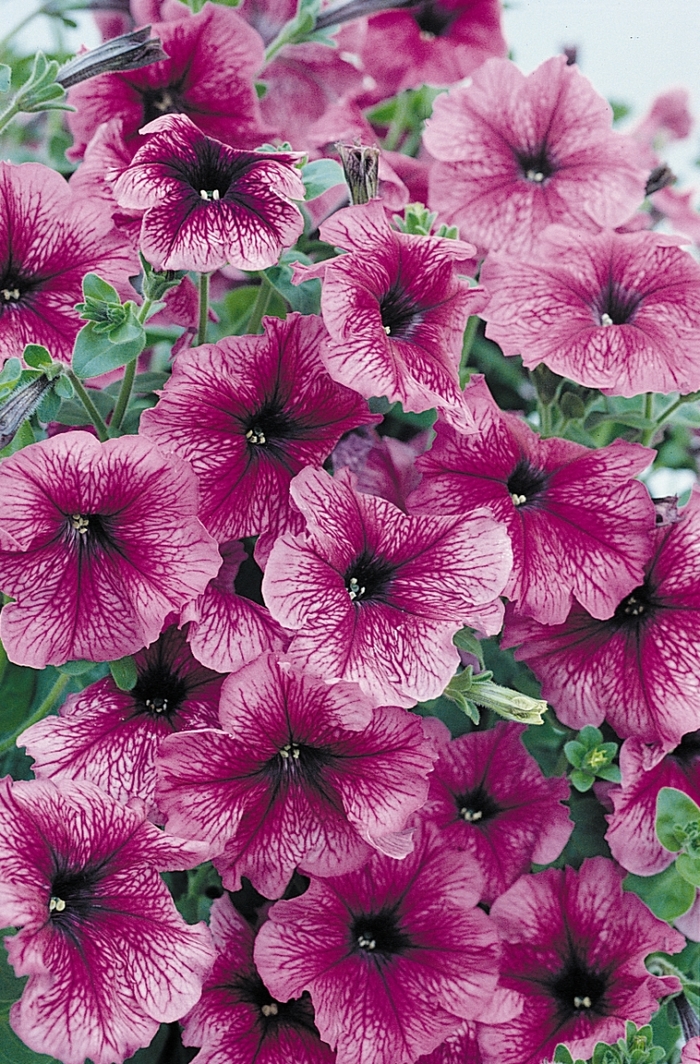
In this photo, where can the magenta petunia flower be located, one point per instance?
(580, 525)
(383, 465)
(616, 311)
(49, 239)
(237, 1020)
(690, 1054)
(207, 204)
(645, 770)
(107, 544)
(459, 1048)
(110, 737)
(213, 58)
(395, 309)
(108, 956)
(303, 774)
(375, 596)
(505, 820)
(393, 955)
(247, 414)
(518, 153)
(575, 945)
(640, 668)
(226, 630)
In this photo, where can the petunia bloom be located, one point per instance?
(615, 311)
(638, 669)
(213, 58)
(108, 956)
(580, 525)
(395, 309)
(645, 769)
(393, 955)
(301, 773)
(375, 596)
(208, 204)
(518, 153)
(106, 545)
(237, 1020)
(504, 819)
(49, 239)
(247, 414)
(110, 737)
(575, 945)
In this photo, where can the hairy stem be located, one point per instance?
(92, 411)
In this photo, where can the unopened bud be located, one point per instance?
(128, 52)
(361, 166)
(21, 405)
(509, 704)
(546, 382)
(660, 177)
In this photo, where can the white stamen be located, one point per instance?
(387, 330)
(56, 905)
(365, 942)
(535, 175)
(355, 591)
(470, 815)
(158, 705)
(80, 523)
(207, 195)
(215, 194)
(605, 319)
(256, 435)
(519, 500)
(292, 750)
(10, 295)
(270, 1010)
(583, 1002)
(204, 194)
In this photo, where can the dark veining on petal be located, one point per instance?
(379, 935)
(526, 483)
(476, 806)
(368, 578)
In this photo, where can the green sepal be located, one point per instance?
(467, 641)
(582, 781)
(10, 374)
(124, 673)
(574, 752)
(63, 387)
(99, 291)
(36, 356)
(590, 736)
(667, 894)
(49, 406)
(611, 773)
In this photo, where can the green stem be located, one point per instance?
(648, 434)
(95, 416)
(7, 116)
(545, 412)
(127, 380)
(39, 714)
(398, 122)
(285, 35)
(261, 304)
(203, 308)
(648, 405)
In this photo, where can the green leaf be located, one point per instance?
(611, 773)
(95, 288)
(466, 640)
(22, 438)
(582, 781)
(96, 353)
(667, 894)
(76, 668)
(320, 175)
(5, 77)
(562, 1055)
(49, 406)
(16, 697)
(63, 387)
(11, 373)
(689, 868)
(674, 810)
(574, 752)
(124, 673)
(36, 356)
(590, 736)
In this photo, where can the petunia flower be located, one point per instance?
(395, 309)
(106, 545)
(580, 525)
(640, 668)
(208, 204)
(504, 819)
(247, 414)
(301, 773)
(49, 239)
(645, 769)
(575, 945)
(108, 956)
(213, 58)
(375, 596)
(518, 153)
(394, 955)
(237, 1020)
(383, 465)
(110, 737)
(615, 311)
(459, 1048)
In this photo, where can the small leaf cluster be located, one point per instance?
(419, 221)
(678, 830)
(637, 1047)
(591, 758)
(113, 336)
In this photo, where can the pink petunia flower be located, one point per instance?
(667, 119)
(638, 669)
(375, 596)
(383, 465)
(213, 58)
(107, 544)
(580, 525)
(518, 153)
(645, 770)
(49, 239)
(207, 204)
(459, 1048)
(504, 819)
(690, 1054)
(237, 1020)
(247, 414)
(575, 945)
(393, 955)
(108, 956)
(303, 774)
(615, 311)
(395, 309)
(110, 737)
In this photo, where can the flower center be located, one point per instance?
(400, 313)
(272, 1014)
(526, 483)
(212, 194)
(90, 531)
(688, 750)
(536, 165)
(71, 896)
(616, 305)
(159, 692)
(159, 102)
(379, 934)
(297, 764)
(476, 806)
(269, 427)
(368, 578)
(578, 989)
(635, 608)
(13, 288)
(433, 19)
(11, 295)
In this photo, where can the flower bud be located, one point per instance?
(361, 166)
(128, 52)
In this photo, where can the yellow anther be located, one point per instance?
(270, 1010)
(605, 319)
(519, 500)
(56, 905)
(470, 815)
(80, 523)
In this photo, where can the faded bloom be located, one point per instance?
(247, 414)
(103, 544)
(580, 525)
(375, 596)
(108, 956)
(517, 153)
(616, 311)
(303, 774)
(575, 945)
(111, 737)
(49, 239)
